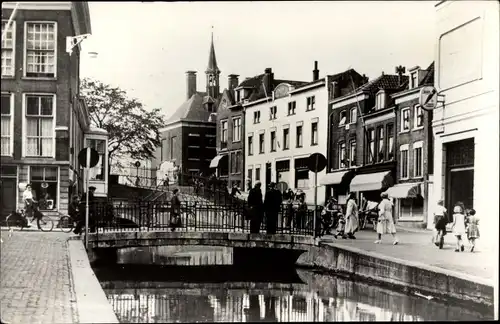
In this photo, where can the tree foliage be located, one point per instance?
(133, 131)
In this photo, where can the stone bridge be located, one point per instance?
(248, 249)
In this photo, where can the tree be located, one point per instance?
(133, 131)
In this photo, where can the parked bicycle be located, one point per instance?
(19, 219)
(66, 223)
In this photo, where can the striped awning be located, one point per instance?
(405, 190)
(371, 181)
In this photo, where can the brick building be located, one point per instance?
(188, 138)
(44, 121)
(361, 144)
(414, 150)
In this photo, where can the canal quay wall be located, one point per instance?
(408, 276)
(91, 301)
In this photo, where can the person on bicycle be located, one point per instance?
(92, 211)
(329, 215)
(28, 204)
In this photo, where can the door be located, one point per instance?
(268, 174)
(8, 196)
(461, 188)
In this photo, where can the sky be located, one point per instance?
(146, 48)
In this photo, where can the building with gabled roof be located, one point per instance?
(188, 137)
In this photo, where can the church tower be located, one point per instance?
(212, 73)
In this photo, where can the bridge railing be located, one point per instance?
(196, 216)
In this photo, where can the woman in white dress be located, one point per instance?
(459, 227)
(385, 223)
(351, 216)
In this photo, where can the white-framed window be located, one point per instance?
(8, 49)
(371, 154)
(352, 153)
(291, 107)
(314, 133)
(236, 129)
(310, 103)
(404, 163)
(98, 172)
(390, 141)
(342, 156)
(261, 143)
(257, 173)
(405, 119)
(418, 117)
(44, 181)
(250, 145)
(418, 159)
(353, 115)
(224, 132)
(298, 139)
(40, 124)
(7, 130)
(40, 49)
(380, 135)
(273, 141)
(342, 118)
(413, 79)
(286, 138)
(380, 100)
(272, 112)
(256, 117)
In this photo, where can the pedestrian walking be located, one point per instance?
(352, 220)
(472, 229)
(256, 207)
(272, 207)
(440, 222)
(385, 224)
(175, 210)
(459, 227)
(235, 190)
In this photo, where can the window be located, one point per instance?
(380, 101)
(314, 133)
(380, 135)
(342, 118)
(164, 148)
(44, 185)
(404, 162)
(233, 162)
(41, 50)
(342, 156)
(273, 141)
(261, 143)
(417, 159)
(256, 117)
(405, 119)
(99, 145)
(414, 80)
(286, 139)
(237, 129)
(223, 134)
(371, 145)
(412, 207)
(353, 115)
(237, 168)
(299, 137)
(257, 174)
(250, 177)
(419, 116)
(310, 103)
(7, 125)
(291, 107)
(173, 142)
(272, 112)
(40, 125)
(352, 153)
(390, 141)
(8, 49)
(250, 145)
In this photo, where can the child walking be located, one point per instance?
(472, 229)
(459, 227)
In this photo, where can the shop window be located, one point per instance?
(412, 207)
(44, 185)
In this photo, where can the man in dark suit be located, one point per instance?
(256, 208)
(272, 206)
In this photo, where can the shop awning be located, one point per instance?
(332, 178)
(405, 190)
(215, 161)
(371, 181)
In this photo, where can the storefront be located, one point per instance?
(337, 184)
(409, 202)
(371, 185)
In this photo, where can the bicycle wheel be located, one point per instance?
(12, 222)
(66, 224)
(45, 223)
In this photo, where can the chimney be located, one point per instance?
(268, 80)
(365, 79)
(315, 71)
(190, 84)
(232, 81)
(400, 70)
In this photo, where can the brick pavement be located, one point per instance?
(416, 246)
(35, 284)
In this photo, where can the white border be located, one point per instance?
(416, 145)
(13, 48)
(25, 48)
(11, 127)
(241, 127)
(401, 121)
(404, 147)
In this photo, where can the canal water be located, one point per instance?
(200, 284)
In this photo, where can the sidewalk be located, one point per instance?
(415, 245)
(35, 284)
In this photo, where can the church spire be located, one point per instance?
(212, 72)
(212, 61)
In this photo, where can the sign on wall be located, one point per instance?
(428, 98)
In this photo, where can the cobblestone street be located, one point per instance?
(35, 278)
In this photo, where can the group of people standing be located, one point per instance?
(270, 206)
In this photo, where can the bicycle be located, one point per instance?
(66, 223)
(19, 219)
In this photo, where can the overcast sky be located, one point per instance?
(146, 48)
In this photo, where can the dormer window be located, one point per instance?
(380, 100)
(414, 79)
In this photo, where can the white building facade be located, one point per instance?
(465, 126)
(282, 132)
